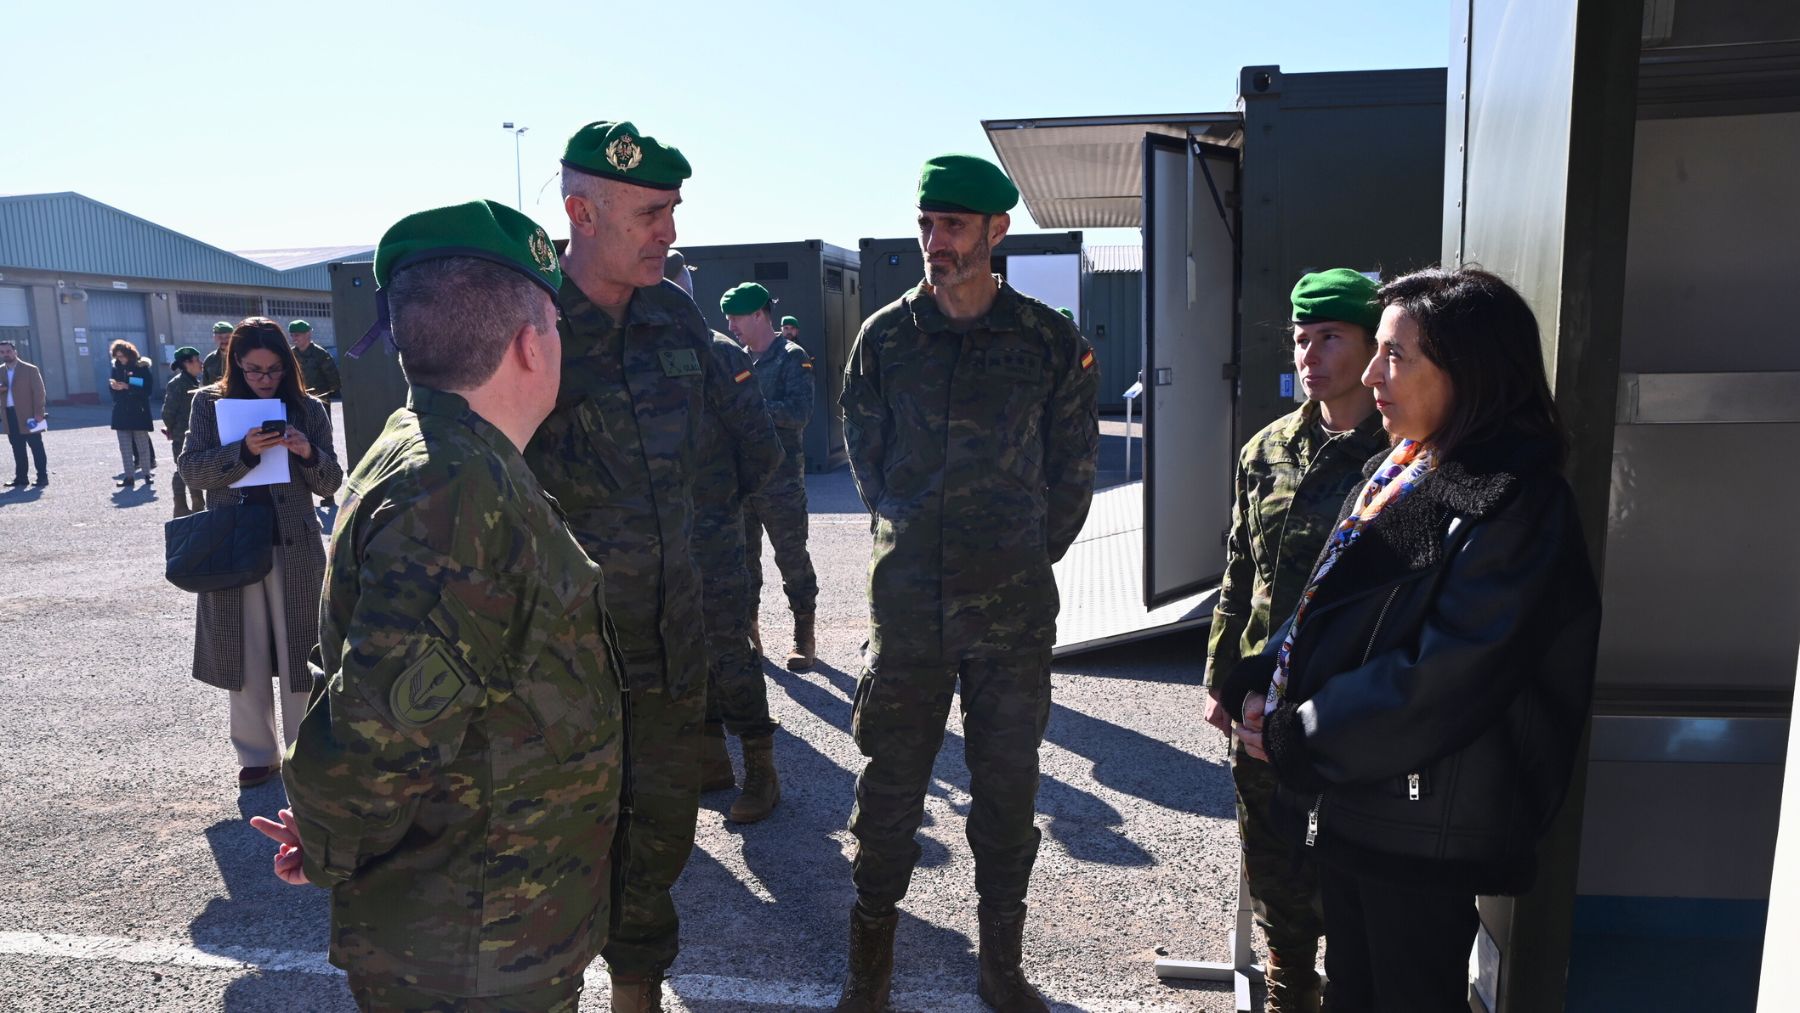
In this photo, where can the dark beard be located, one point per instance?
(961, 269)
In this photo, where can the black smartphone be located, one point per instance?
(275, 427)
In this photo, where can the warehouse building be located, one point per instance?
(76, 275)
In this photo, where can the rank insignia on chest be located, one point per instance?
(680, 362)
(1014, 365)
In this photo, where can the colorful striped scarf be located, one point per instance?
(1406, 464)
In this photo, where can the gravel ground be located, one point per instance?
(131, 880)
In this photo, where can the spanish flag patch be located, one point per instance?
(1087, 360)
(806, 365)
(745, 375)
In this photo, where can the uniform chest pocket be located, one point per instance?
(597, 446)
(560, 664)
(1014, 365)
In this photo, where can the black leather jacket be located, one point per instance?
(1440, 680)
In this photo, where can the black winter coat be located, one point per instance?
(131, 406)
(1440, 680)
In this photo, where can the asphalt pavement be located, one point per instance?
(131, 880)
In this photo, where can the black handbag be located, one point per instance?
(219, 548)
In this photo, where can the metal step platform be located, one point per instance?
(1101, 581)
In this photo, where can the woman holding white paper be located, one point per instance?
(255, 420)
(130, 383)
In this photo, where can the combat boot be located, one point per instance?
(1292, 978)
(762, 789)
(871, 962)
(801, 658)
(715, 762)
(756, 636)
(1003, 985)
(633, 994)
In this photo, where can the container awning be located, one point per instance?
(1087, 172)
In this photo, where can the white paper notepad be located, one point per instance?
(239, 415)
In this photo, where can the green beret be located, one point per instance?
(618, 151)
(790, 321)
(186, 352)
(481, 229)
(299, 327)
(967, 185)
(1337, 294)
(744, 299)
(223, 328)
(1065, 311)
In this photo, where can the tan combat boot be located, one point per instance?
(871, 963)
(715, 762)
(762, 789)
(1003, 985)
(801, 658)
(633, 994)
(1292, 978)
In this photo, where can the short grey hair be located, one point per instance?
(453, 318)
(576, 183)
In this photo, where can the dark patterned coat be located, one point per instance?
(219, 624)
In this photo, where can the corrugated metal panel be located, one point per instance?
(307, 256)
(69, 232)
(1114, 259)
(1088, 172)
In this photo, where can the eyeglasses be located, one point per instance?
(262, 374)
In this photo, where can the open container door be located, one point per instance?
(1190, 317)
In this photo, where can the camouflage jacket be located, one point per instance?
(621, 452)
(1291, 480)
(456, 779)
(178, 402)
(212, 368)
(719, 490)
(319, 369)
(785, 373)
(975, 452)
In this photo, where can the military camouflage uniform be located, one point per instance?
(1291, 480)
(319, 369)
(178, 405)
(974, 448)
(456, 779)
(212, 368)
(785, 373)
(620, 452)
(736, 694)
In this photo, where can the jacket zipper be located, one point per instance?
(1312, 818)
(1412, 787)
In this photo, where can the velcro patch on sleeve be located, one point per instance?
(806, 365)
(1087, 360)
(745, 375)
(426, 689)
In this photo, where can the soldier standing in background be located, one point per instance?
(213, 368)
(1291, 480)
(971, 420)
(319, 369)
(737, 699)
(178, 405)
(785, 372)
(456, 779)
(619, 452)
(790, 329)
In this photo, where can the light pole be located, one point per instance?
(518, 173)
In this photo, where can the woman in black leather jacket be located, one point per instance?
(1430, 692)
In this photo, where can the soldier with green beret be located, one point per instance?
(177, 406)
(456, 779)
(620, 451)
(785, 373)
(318, 370)
(213, 368)
(971, 421)
(1292, 477)
(736, 698)
(790, 329)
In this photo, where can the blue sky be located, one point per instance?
(254, 125)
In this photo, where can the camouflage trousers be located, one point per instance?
(781, 508)
(657, 812)
(392, 996)
(735, 692)
(1284, 889)
(898, 723)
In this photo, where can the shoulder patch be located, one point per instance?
(680, 362)
(745, 375)
(806, 365)
(426, 689)
(1087, 360)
